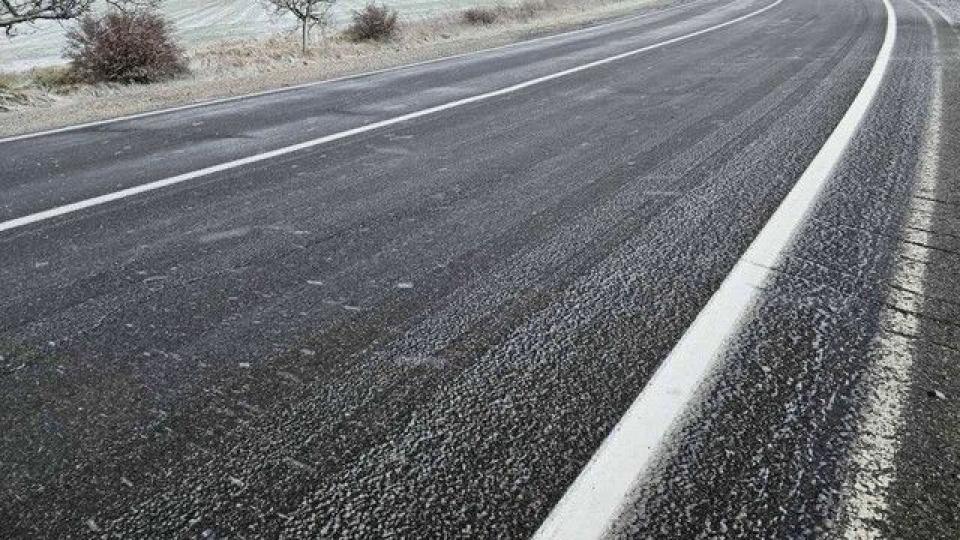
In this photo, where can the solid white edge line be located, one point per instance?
(593, 502)
(938, 11)
(158, 184)
(291, 88)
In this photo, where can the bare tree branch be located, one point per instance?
(134, 5)
(17, 12)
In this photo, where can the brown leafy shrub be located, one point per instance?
(374, 22)
(480, 15)
(124, 47)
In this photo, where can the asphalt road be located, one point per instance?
(427, 329)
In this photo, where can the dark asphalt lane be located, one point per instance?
(428, 329)
(66, 167)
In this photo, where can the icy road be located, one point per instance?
(687, 274)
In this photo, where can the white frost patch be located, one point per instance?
(298, 464)
(866, 492)
(289, 376)
(420, 360)
(224, 235)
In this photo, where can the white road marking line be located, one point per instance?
(865, 493)
(220, 101)
(596, 498)
(942, 14)
(158, 184)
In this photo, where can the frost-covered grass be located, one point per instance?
(34, 87)
(201, 22)
(281, 50)
(8, 81)
(11, 95)
(43, 99)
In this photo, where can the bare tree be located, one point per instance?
(16, 12)
(308, 12)
(133, 5)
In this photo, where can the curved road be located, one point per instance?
(414, 303)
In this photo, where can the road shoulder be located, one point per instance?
(925, 494)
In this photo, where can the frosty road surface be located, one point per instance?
(426, 328)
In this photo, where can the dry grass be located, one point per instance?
(16, 92)
(279, 53)
(55, 79)
(9, 81)
(243, 66)
(35, 88)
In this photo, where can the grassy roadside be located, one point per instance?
(47, 98)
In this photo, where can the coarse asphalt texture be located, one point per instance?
(426, 330)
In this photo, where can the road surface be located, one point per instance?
(415, 303)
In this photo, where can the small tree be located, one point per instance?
(309, 13)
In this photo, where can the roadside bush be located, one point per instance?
(373, 23)
(125, 47)
(480, 15)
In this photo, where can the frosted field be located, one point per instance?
(198, 21)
